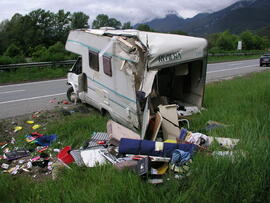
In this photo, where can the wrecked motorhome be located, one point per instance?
(135, 76)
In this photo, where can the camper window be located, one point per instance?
(107, 65)
(93, 60)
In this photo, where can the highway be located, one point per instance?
(20, 99)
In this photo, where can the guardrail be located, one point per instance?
(36, 64)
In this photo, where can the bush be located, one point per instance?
(55, 52)
(13, 51)
(19, 59)
(6, 60)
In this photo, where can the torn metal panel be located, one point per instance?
(147, 83)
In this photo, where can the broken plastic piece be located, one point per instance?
(92, 157)
(4, 146)
(97, 139)
(16, 154)
(224, 142)
(5, 166)
(155, 181)
(76, 154)
(65, 156)
(34, 127)
(14, 170)
(42, 149)
(213, 124)
(18, 128)
(35, 158)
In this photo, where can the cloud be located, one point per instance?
(128, 10)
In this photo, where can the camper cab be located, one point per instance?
(134, 75)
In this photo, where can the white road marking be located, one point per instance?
(233, 64)
(216, 71)
(32, 98)
(7, 92)
(29, 83)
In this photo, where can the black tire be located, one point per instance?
(261, 65)
(70, 96)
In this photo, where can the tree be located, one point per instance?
(145, 27)
(61, 25)
(3, 36)
(103, 20)
(227, 41)
(43, 23)
(114, 23)
(253, 41)
(248, 40)
(127, 25)
(79, 20)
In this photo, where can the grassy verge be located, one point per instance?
(242, 103)
(32, 74)
(217, 59)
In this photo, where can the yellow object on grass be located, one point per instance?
(36, 126)
(17, 128)
(30, 122)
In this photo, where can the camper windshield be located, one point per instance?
(77, 67)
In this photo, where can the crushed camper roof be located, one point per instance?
(164, 49)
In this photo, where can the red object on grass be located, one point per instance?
(43, 149)
(65, 156)
(101, 142)
(36, 134)
(65, 102)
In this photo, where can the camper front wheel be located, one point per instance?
(71, 95)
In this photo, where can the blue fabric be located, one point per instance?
(180, 157)
(147, 147)
(183, 133)
(129, 146)
(46, 140)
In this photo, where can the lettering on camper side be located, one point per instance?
(170, 57)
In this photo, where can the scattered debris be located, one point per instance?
(165, 149)
(65, 156)
(30, 122)
(34, 127)
(17, 128)
(213, 124)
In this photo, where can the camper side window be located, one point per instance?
(107, 67)
(93, 60)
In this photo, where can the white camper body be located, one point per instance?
(129, 73)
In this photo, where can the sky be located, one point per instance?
(136, 11)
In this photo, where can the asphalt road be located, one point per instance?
(20, 99)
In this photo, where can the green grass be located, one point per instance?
(32, 74)
(242, 103)
(217, 59)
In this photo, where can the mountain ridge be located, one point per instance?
(240, 16)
